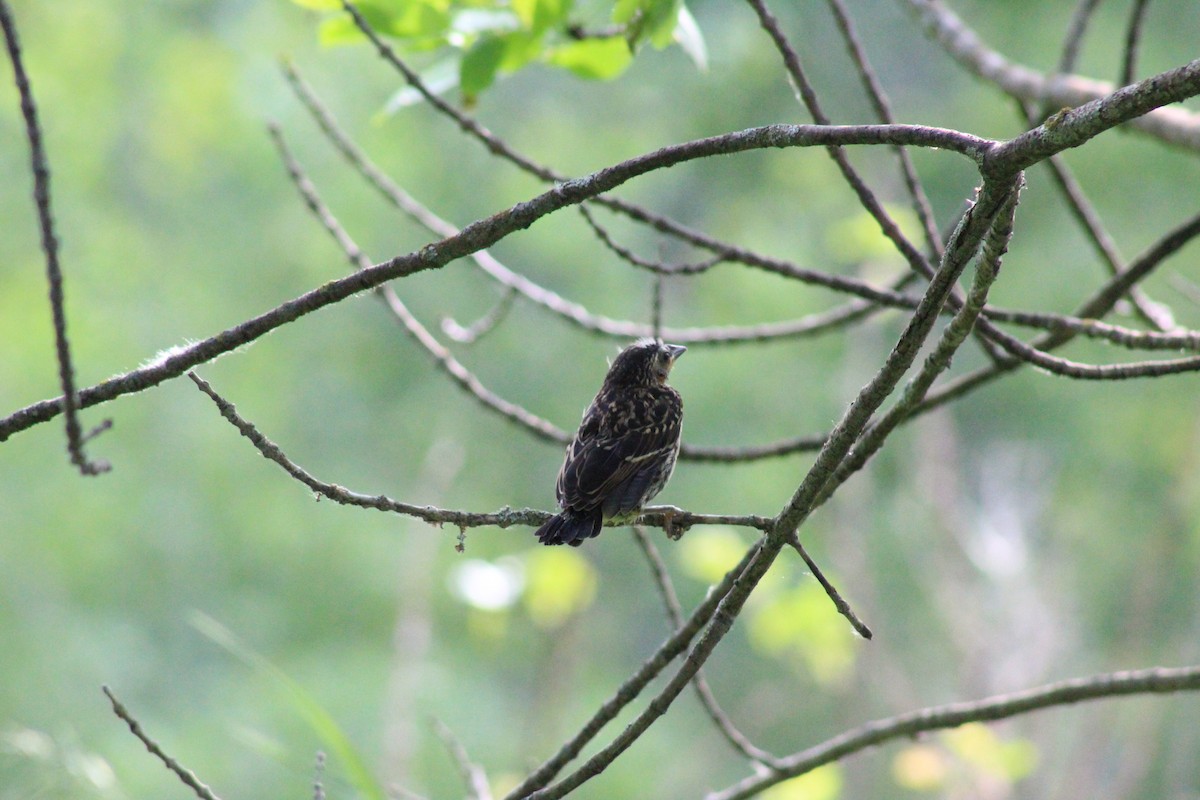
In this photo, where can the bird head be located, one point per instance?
(646, 362)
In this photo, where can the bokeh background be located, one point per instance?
(1039, 529)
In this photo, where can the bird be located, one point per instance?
(626, 446)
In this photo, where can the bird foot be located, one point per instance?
(673, 528)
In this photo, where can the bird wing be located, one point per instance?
(617, 439)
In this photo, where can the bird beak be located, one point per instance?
(676, 350)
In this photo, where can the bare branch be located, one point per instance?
(1173, 125)
(883, 111)
(1075, 32)
(917, 262)
(675, 644)
(1098, 305)
(470, 334)
(627, 255)
(504, 518)
(831, 591)
(41, 197)
(1076, 690)
(464, 377)
(467, 380)
(1097, 372)
(472, 774)
(661, 517)
(808, 96)
(1072, 127)
(666, 590)
(1133, 35)
(938, 361)
(184, 774)
(486, 232)
(1085, 213)
(1094, 329)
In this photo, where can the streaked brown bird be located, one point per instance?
(625, 448)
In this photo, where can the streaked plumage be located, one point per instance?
(625, 448)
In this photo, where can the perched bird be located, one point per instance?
(625, 448)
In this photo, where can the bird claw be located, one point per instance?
(672, 528)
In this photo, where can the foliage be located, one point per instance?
(487, 39)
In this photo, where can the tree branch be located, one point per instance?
(631, 688)
(1073, 126)
(1172, 125)
(1076, 690)
(654, 516)
(486, 232)
(666, 590)
(465, 378)
(472, 774)
(41, 197)
(185, 775)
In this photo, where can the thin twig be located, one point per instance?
(666, 590)
(184, 774)
(912, 724)
(938, 361)
(628, 256)
(41, 197)
(831, 591)
(654, 516)
(467, 380)
(1089, 219)
(1133, 36)
(808, 96)
(472, 333)
(1176, 126)
(1098, 372)
(318, 776)
(472, 774)
(656, 306)
(883, 111)
(628, 691)
(867, 199)
(1094, 329)
(1075, 32)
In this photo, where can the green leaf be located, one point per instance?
(538, 16)
(597, 59)
(476, 21)
(662, 17)
(302, 702)
(654, 20)
(427, 21)
(319, 5)
(420, 20)
(689, 38)
(625, 10)
(479, 65)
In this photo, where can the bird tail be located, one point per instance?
(571, 527)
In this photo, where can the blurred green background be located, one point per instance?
(1037, 530)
